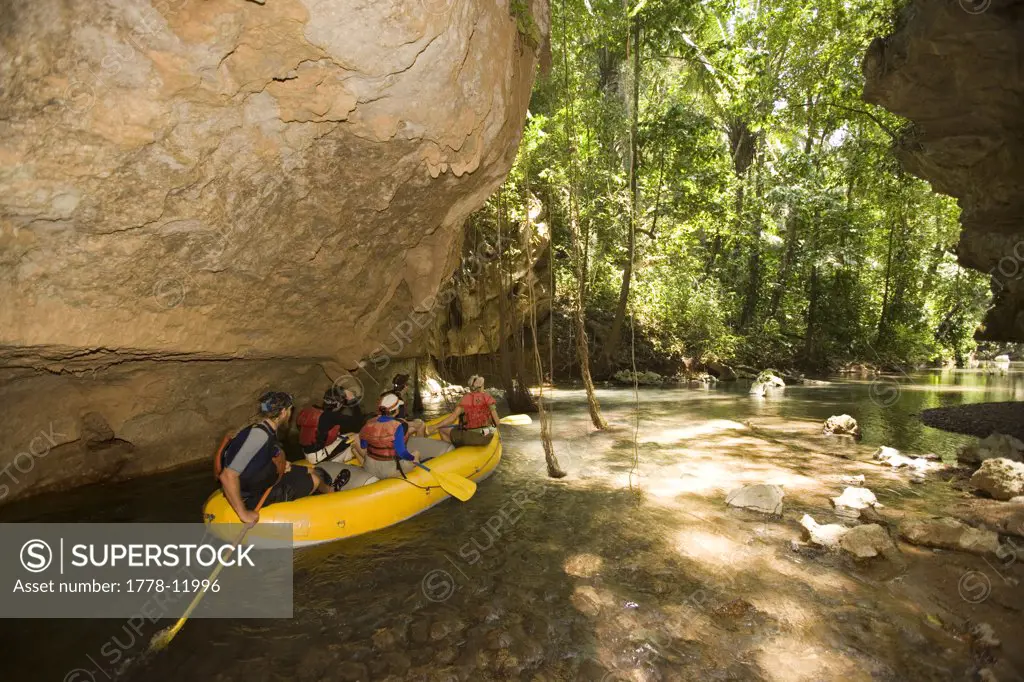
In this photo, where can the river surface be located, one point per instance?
(631, 568)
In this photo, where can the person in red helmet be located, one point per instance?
(384, 438)
(476, 417)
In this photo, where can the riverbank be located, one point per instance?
(979, 419)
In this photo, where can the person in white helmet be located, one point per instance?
(384, 439)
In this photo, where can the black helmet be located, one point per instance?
(273, 402)
(337, 397)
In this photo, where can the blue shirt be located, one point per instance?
(403, 452)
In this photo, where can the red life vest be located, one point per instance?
(380, 438)
(476, 410)
(308, 422)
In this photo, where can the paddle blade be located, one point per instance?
(163, 638)
(516, 420)
(457, 486)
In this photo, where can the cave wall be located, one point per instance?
(201, 199)
(955, 69)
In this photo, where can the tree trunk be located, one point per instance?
(615, 335)
(812, 319)
(754, 264)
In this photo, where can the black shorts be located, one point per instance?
(295, 484)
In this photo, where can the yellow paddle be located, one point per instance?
(457, 486)
(163, 638)
(516, 420)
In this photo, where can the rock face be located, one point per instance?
(189, 183)
(953, 69)
(1000, 479)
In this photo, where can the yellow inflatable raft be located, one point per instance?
(357, 508)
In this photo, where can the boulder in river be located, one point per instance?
(866, 541)
(945, 533)
(827, 535)
(645, 378)
(893, 457)
(722, 371)
(1000, 478)
(842, 424)
(855, 498)
(770, 378)
(996, 445)
(762, 497)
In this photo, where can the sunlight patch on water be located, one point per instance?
(707, 428)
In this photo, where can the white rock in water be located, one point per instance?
(1003, 359)
(841, 424)
(944, 533)
(852, 480)
(827, 535)
(866, 541)
(996, 445)
(1000, 478)
(893, 458)
(762, 497)
(758, 389)
(855, 498)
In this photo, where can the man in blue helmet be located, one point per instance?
(252, 468)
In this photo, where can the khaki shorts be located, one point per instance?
(386, 468)
(461, 436)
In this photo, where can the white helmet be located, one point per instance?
(389, 403)
(476, 381)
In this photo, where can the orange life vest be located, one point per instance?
(380, 438)
(476, 410)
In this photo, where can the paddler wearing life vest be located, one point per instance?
(384, 438)
(251, 466)
(476, 417)
(326, 431)
(413, 427)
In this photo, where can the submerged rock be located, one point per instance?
(946, 533)
(866, 541)
(1000, 478)
(995, 446)
(763, 498)
(842, 424)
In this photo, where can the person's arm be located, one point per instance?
(230, 476)
(233, 492)
(494, 414)
(400, 448)
(453, 418)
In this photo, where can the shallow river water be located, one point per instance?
(622, 571)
